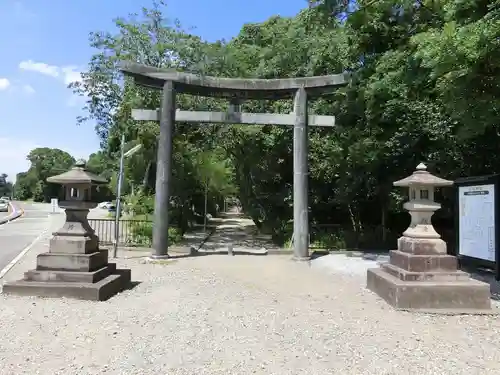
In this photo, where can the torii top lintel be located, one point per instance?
(244, 88)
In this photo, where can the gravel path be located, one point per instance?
(239, 315)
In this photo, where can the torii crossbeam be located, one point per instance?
(235, 90)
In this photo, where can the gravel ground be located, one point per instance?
(340, 263)
(240, 315)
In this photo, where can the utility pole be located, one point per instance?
(206, 207)
(123, 155)
(118, 198)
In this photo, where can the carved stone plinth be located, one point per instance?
(421, 276)
(74, 267)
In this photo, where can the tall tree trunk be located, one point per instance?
(355, 222)
(145, 180)
(384, 224)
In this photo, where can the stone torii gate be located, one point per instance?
(235, 90)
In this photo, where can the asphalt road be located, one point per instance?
(3, 214)
(16, 235)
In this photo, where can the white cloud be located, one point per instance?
(28, 89)
(42, 68)
(67, 74)
(71, 74)
(4, 84)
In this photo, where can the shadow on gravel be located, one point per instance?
(318, 254)
(132, 285)
(486, 276)
(195, 254)
(230, 222)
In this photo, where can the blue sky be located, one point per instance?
(45, 45)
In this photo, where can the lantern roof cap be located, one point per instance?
(78, 175)
(422, 177)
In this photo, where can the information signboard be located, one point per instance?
(476, 212)
(477, 221)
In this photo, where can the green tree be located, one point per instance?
(424, 87)
(149, 38)
(5, 186)
(45, 162)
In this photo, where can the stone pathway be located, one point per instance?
(239, 233)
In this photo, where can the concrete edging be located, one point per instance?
(185, 249)
(15, 214)
(210, 234)
(176, 249)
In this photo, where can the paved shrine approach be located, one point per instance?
(236, 90)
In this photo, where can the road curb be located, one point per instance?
(210, 234)
(16, 213)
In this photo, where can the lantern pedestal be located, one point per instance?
(74, 267)
(417, 277)
(420, 275)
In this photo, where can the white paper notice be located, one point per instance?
(477, 221)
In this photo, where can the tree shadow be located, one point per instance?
(228, 222)
(213, 253)
(195, 254)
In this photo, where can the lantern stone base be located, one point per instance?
(80, 276)
(422, 279)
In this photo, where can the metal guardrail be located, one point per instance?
(132, 232)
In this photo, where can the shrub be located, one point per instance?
(338, 238)
(139, 204)
(141, 230)
(329, 241)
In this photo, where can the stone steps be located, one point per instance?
(99, 291)
(434, 275)
(70, 276)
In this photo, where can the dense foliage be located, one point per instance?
(425, 86)
(5, 186)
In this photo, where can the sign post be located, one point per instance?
(54, 203)
(477, 222)
(123, 156)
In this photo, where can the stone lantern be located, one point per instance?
(421, 207)
(74, 266)
(420, 275)
(76, 235)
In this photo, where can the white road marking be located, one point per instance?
(18, 227)
(21, 254)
